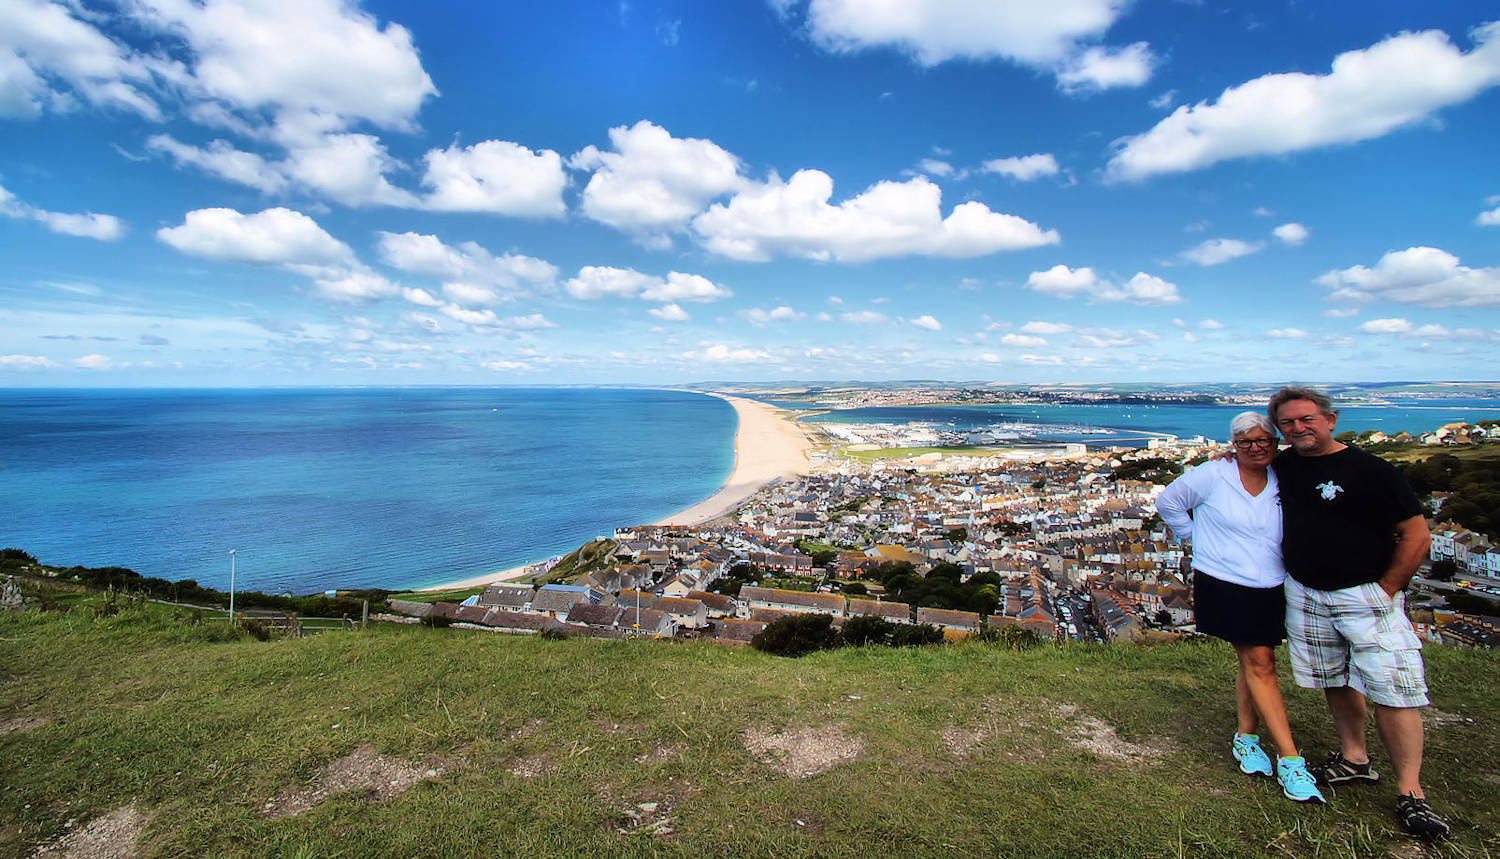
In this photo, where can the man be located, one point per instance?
(1352, 539)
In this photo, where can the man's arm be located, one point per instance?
(1412, 540)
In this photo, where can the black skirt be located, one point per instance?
(1238, 614)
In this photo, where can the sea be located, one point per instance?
(318, 489)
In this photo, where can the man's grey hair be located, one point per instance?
(1244, 422)
(1293, 392)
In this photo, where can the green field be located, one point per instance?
(205, 746)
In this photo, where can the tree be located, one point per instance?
(957, 535)
(1443, 569)
(1163, 617)
(866, 630)
(855, 588)
(1346, 437)
(915, 635)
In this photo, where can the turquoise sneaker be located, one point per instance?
(1252, 758)
(1297, 784)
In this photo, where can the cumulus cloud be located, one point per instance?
(758, 316)
(1110, 338)
(354, 285)
(272, 237)
(1418, 275)
(466, 262)
(93, 362)
(864, 317)
(722, 354)
(89, 225)
(1215, 251)
(1050, 37)
(1292, 234)
(220, 158)
(684, 287)
(1045, 328)
(1022, 340)
(495, 176)
(469, 295)
(927, 322)
(1063, 282)
(599, 281)
(1368, 92)
(1023, 168)
(652, 183)
(890, 219)
(1489, 219)
(934, 167)
(1286, 334)
(1386, 326)
(50, 60)
(670, 313)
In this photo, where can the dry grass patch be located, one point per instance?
(533, 766)
(804, 752)
(662, 752)
(362, 769)
(1436, 718)
(112, 836)
(21, 725)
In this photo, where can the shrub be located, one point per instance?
(555, 634)
(866, 630)
(915, 635)
(796, 635)
(1009, 637)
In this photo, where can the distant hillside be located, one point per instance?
(143, 725)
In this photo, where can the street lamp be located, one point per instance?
(231, 586)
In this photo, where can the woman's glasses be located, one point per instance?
(1252, 443)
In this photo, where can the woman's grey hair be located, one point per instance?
(1247, 421)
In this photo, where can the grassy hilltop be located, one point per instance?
(416, 741)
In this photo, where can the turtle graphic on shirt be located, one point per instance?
(1329, 490)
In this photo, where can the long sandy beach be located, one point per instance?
(767, 446)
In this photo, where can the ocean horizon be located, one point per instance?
(323, 488)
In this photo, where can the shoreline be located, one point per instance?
(767, 446)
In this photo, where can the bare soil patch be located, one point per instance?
(362, 769)
(1098, 737)
(961, 742)
(21, 725)
(804, 752)
(533, 766)
(1436, 718)
(652, 819)
(660, 752)
(112, 836)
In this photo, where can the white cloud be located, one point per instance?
(1100, 68)
(685, 287)
(315, 57)
(1061, 281)
(1211, 324)
(221, 159)
(1165, 100)
(529, 322)
(1290, 234)
(1386, 326)
(48, 56)
(1142, 289)
(1417, 275)
(1215, 251)
(1022, 340)
(422, 298)
(934, 167)
(272, 237)
(670, 313)
(1369, 92)
(347, 168)
(93, 362)
(1045, 328)
(927, 322)
(890, 219)
(727, 355)
(1340, 312)
(355, 285)
(468, 295)
(758, 316)
(653, 183)
(933, 31)
(466, 262)
(495, 176)
(864, 317)
(599, 281)
(25, 362)
(480, 318)
(1489, 219)
(1023, 168)
(1109, 338)
(88, 225)
(1286, 334)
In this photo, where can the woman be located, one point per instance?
(1230, 511)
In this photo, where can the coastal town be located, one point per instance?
(1062, 541)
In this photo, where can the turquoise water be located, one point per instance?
(319, 489)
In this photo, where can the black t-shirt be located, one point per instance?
(1339, 513)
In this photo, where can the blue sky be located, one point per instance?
(269, 192)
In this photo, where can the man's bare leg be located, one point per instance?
(1401, 731)
(1347, 707)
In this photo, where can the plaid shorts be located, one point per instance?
(1356, 637)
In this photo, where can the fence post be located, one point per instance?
(364, 617)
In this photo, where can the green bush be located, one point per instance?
(866, 630)
(796, 635)
(915, 635)
(1009, 637)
